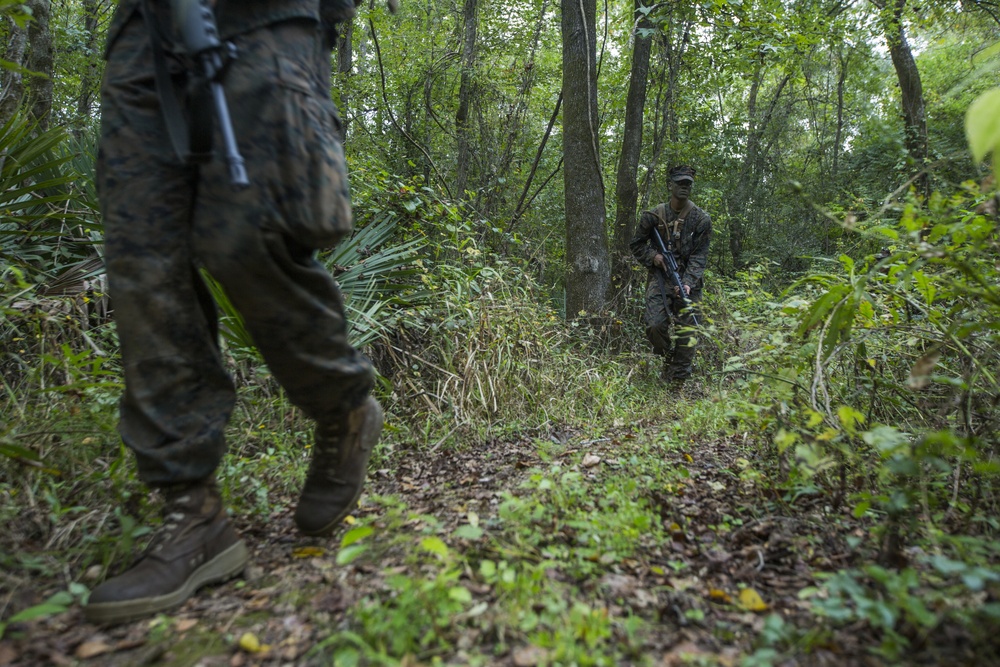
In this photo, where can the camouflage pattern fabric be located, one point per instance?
(678, 355)
(165, 219)
(691, 251)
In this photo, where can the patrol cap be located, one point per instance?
(682, 172)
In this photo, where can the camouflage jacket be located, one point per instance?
(690, 245)
(239, 16)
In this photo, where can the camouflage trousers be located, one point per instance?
(165, 220)
(678, 353)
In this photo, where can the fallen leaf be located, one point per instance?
(529, 656)
(719, 595)
(751, 600)
(308, 552)
(683, 654)
(88, 650)
(7, 654)
(185, 624)
(349, 520)
(689, 458)
(250, 643)
(920, 373)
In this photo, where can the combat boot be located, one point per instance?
(667, 372)
(338, 468)
(196, 546)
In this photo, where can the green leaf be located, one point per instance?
(982, 124)
(850, 418)
(349, 554)
(18, 452)
(435, 546)
(886, 440)
(460, 594)
(469, 532)
(355, 535)
(947, 566)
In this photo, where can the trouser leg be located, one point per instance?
(259, 242)
(657, 320)
(178, 396)
(683, 360)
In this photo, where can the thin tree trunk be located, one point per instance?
(626, 187)
(666, 129)
(494, 195)
(465, 95)
(588, 266)
(345, 65)
(40, 61)
(12, 83)
(521, 205)
(749, 177)
(90, 76)
(910, 89)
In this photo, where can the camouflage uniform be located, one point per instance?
(164, 220)
(690, 248)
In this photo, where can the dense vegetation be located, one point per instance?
(847, 382)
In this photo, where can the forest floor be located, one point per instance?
(523, 551)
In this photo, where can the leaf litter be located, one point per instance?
(704, 591)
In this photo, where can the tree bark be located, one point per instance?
(12, 83)
(626, 186)
(465, 95)
(345, 65)
(40, 61)
(90, 76)
(587, 262)
(910, 89)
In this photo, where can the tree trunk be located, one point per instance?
(587, 264)
(666, 127)
(12, 84)
(40, 61)
(626, 186)
(465, 96)
(750, 176)
(90, 76)
(910, 89)
(345, 65)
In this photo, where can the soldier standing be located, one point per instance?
(165, 219)
(687, 231)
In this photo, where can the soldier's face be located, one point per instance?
(681, 190)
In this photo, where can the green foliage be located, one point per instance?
(982, 128)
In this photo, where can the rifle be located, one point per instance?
(199, 37)
(672, 273)
(194, 23)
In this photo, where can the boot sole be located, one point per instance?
(329, 527)
(223, 567)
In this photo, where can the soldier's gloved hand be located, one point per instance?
(660, 262)
(687, 291)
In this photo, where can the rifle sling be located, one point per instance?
(190, 146)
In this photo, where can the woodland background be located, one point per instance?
(847, 378)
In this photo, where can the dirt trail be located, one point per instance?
(722, 541)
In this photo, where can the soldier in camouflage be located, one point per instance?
(165, 220)
(687, 231)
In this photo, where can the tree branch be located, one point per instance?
(392, 117)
